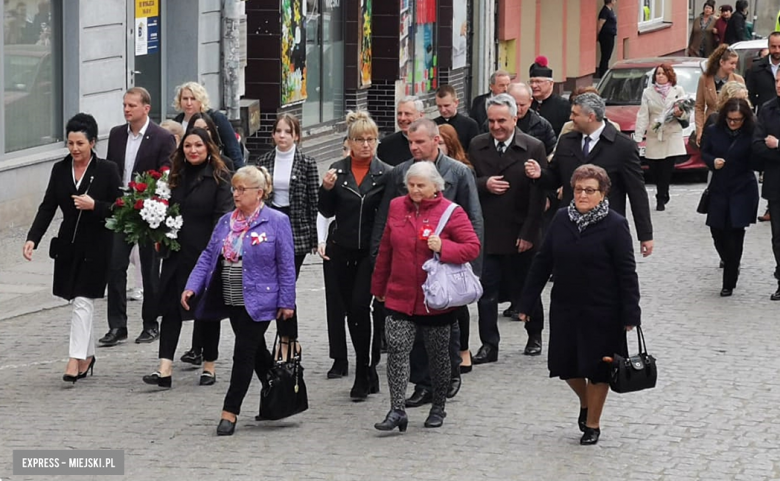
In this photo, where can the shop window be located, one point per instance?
(32, 114)
(324, 61)
(417, 56)
(651, 12)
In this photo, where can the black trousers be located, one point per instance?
(512, 270)
(661, 171)
(170, 329)
(464, 320)
(420, 372)
(353, 269)
(729, 243)
(774, 213)
(607, 44)
(289, 328)
(117, 284)
(250, 354)
(335, 312)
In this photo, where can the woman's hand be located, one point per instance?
(321, 251)
(329, 181)
(83, 202)
(185, 296)
(630, 328)
(698, 139)
(434, 243)
(285, 313)
(27, 250)
(719, 163)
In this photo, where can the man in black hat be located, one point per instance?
(549, 105)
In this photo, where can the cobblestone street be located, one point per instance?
(713, 415)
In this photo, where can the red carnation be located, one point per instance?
(140, 187)
(131, 185)
(139, 204)
(154, 174)
(165, 169)
(541, 61)
(120, 202)
(160, 199)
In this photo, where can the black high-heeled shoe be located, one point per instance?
(90, 369)
(590, 437)
(156, 379)
(395, 418)
(226, 427)
(582, 419)
(70, 378)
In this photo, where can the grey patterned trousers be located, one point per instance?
(400, 331)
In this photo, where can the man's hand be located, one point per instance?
(497, 186)
(532, 169)
(647, 248)
(523, 245)
(771, 141)
(719, 163)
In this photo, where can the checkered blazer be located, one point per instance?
(305, 183)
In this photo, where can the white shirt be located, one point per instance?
(77, 183)
(282, 172)
(594, 138)
(323, 225)
(506, 142)
(131, 150)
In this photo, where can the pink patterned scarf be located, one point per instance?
(232, 246)
(663, 89)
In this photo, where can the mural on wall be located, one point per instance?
(405, 45)
(364, 47)
(425, 61)
(293, 52)
(460, 31)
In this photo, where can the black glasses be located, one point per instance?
(735, 121)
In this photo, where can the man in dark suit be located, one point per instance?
(597, 142)
(767, 148)
(760, 78)
(447, 103)
(512, 208)
(137, 146)
(528, 121)
(394, 148)
(499, 83)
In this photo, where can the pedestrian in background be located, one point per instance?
(200, 185)
(83, 187)
(760, 78)
(551, 106)
(407, 242)
(295, 187)
(246, 273)
(607, 30)
(594, 302)
(701, 42)
(722, 24)
(737, 30)
(665, 141)
(733, 190)
(351, 191)
(499, 83)
(721, 66)
(394, 148)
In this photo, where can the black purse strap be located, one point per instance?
(291, 345)
(640, 336)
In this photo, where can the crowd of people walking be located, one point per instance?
(481, 189)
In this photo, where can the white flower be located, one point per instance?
(174, 223)
(162, 191)
(173, 234)
(153, 213)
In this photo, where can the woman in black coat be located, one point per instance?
(200, 184)
(733, 201)
(595, 298)
(84, 188)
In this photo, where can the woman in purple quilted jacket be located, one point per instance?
(246, 273)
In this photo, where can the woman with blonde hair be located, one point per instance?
(351, 191)
(730, 90)
(192, 98)
(720, 69)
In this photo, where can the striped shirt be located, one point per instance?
(233, 282)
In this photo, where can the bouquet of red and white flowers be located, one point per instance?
(144, 213)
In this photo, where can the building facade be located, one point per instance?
(61, 58)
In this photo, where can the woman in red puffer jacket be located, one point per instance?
(407, 242)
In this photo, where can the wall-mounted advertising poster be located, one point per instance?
(147, 27)
(364, 44)
(460, 31)
(293, 52)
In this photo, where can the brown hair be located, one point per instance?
(455, 151)
(446, 90)
(178, 159)
(292, 121)
(590, 171)
(668, 71)
(146, 98)
(583, 90)
(721, 54)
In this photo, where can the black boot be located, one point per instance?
(395, 418)
(373, 380)
(361, 387)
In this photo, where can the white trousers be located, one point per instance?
(82, 332)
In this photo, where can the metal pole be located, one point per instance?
(231, 46)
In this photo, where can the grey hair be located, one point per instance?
(418, 104)
(504, 100)
(520, 86)
(591, 103)
(496, 74)
(428, 124)
(425, 170)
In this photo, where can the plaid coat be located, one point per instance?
(305, 180)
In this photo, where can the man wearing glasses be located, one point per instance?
(549, 105)
(765, 146)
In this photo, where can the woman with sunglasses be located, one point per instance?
(733, 190)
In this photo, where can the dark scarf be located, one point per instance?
(593, 216)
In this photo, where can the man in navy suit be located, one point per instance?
(137, 146)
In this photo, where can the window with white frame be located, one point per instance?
(651, 12)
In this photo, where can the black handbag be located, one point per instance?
(704, 202)
(284, 392)
(634, 373)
